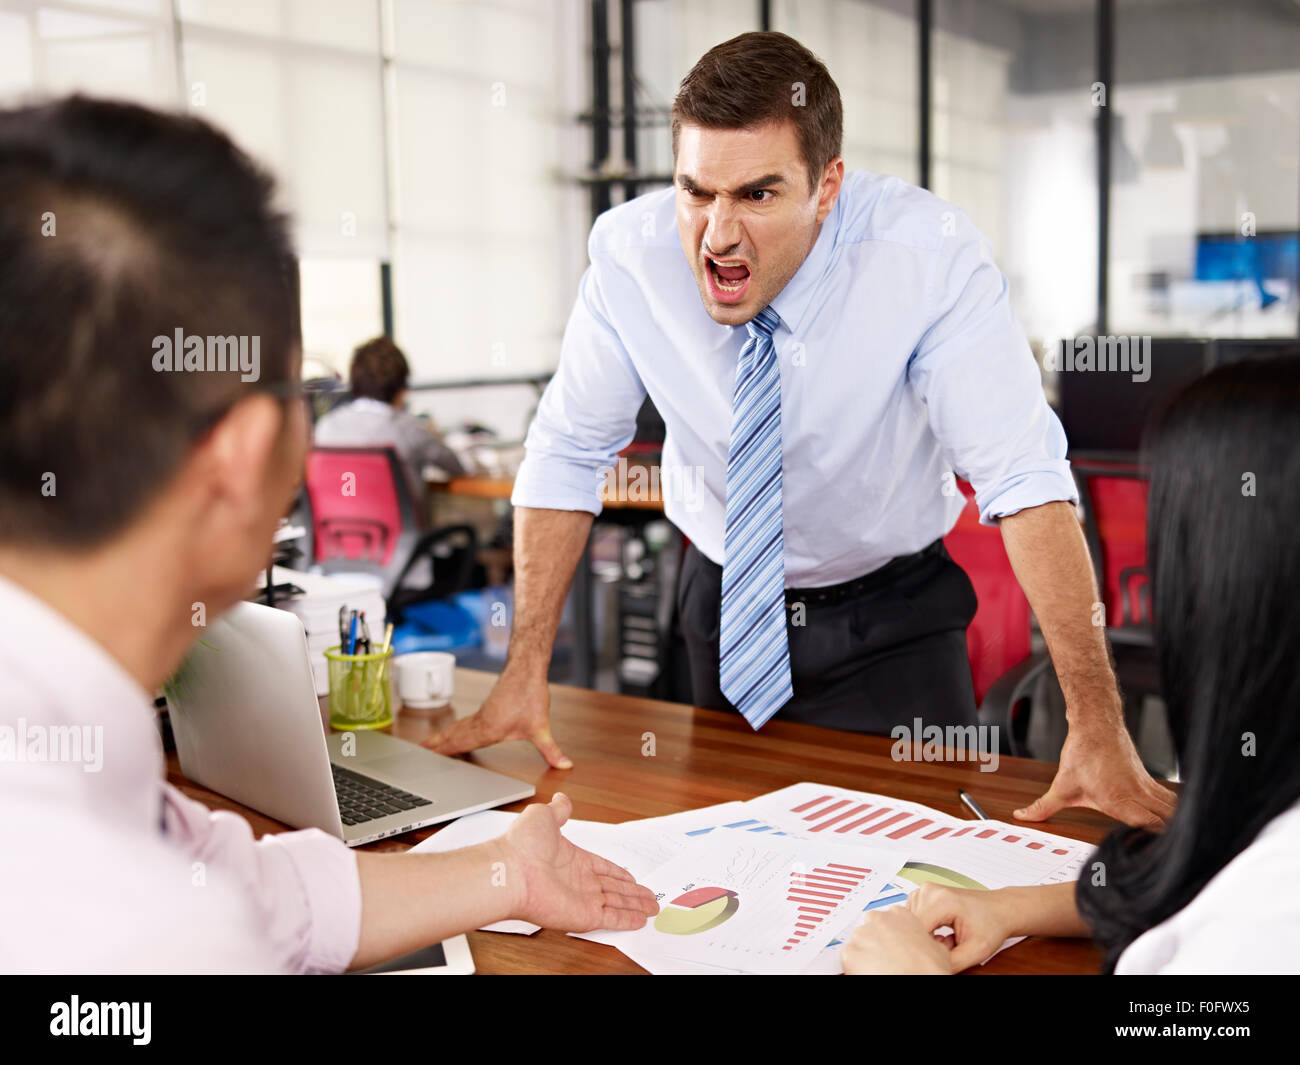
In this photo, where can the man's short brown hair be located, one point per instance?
(379, 370)
(765, 77)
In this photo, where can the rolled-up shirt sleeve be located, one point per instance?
(984, 398)
(304, 885)
(587, 413)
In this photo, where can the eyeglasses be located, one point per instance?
(314, 395)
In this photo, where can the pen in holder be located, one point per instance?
(360, 695)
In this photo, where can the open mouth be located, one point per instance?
(727, 278)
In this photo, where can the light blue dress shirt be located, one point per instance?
(901, 363)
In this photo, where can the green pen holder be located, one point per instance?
(360, 693)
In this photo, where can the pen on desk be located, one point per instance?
(343, 628)
(352, 634)
(380, 675)
(365, 634)
(973, 806)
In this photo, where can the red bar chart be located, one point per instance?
(988, 852)
(818, 895)
(843, 816)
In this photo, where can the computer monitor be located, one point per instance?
(1269, 256)
(1234, 349)
(1106, 410)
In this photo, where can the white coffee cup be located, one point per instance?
(425, 678)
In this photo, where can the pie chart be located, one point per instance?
(697, 910)
(924, 873)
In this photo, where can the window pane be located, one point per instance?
(342, 307)
(482, 278)
(871, 51)
(351, 24)
(1014, 145)
(671, 35)
(1205, 196)
(314, 116)
(125, 52)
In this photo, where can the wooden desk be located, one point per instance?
(482, 487)
(706, 757)
(477, 487)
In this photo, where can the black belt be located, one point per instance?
(831, 594)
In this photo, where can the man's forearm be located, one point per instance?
(548, 544)
(1050, 557)
(409, 901)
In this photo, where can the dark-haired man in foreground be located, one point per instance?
(827, 351)
(133, 489)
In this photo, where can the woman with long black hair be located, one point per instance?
(1215, 892)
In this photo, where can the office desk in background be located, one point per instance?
(482, 487)
(500, 488)
(705, 757)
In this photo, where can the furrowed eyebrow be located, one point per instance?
(765, 182)
(762, 183)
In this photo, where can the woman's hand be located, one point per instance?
(978, 919)
(894, 941)
(901, 939)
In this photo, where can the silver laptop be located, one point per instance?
(248, 725)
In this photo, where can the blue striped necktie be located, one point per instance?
(754, 657)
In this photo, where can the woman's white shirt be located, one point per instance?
(1245, 920)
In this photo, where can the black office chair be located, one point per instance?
(450, 564)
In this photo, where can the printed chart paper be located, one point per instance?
(757, 904)
(776, 884)
(941, 848)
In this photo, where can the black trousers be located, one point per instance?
(874, 653)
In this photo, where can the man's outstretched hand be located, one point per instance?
(565, 887)
(517, 708)
(1100, 769)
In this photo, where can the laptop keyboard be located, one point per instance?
(364, 799)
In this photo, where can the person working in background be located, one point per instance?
(827, 352)
(1215, 891)
(376, 417)
(133, 494)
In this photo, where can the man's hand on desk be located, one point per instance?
(1100, 769)
(563, 886)
(517, 708)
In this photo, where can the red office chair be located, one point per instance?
(1113, 495)
(364, 519)
(1025, 699)
(363, 511)
(998, 637)
(1004, 673)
